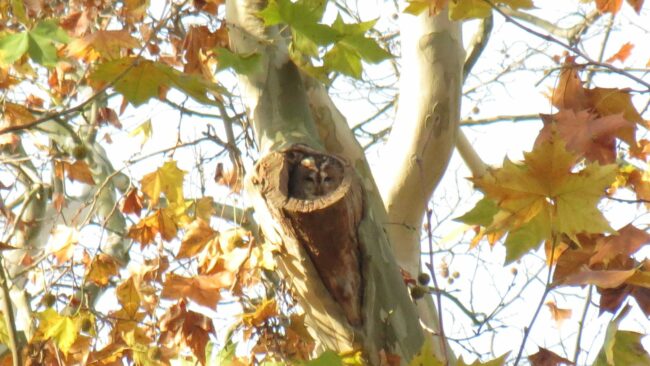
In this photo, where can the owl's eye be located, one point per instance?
(327, 179)
(310, 179)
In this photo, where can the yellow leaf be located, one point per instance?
(204, 208)
(128, 296)
(168, 179)
(144, 130)
(106, 44)
(267, 309)
(469, 9)
(102, 268)
(198, 234)
(62, 329)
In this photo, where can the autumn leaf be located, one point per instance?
(559, 315)
(469, 9)
(204, 290)
(78, 171)
(62, 242)
(499, 361)
(101, 269)
(622, 54)
(197, 235)
(15, 115)
(168, 179)
(609, 6)
(426, 355)
(128, 296)
(608, 101)
(143, 131)
(198, 44)
(602, 279)
(569, 92)
(417, 7)
(62, 329)
(636, 4)
(264, 311)
(204, 208)
(627, 242)
(101, 44)
(544, 357)
(161, 221)
(132, 202)
(141, 79)
(543, 195)
(192, 328)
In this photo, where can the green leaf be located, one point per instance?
(226, 356)
(242, 64)
(142, 80)
(481, 214)
(527, 237)
(18, 8)
(367, 48)
(38, 43)
(13, 47)
(622, 348)
(343, 59)
(327, 358)
(426, 356)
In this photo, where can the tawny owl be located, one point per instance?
(314, 177)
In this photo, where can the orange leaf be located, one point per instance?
(569, 92)
(544, 357)
(609, 6)
(558, 314)
(264, 311)
(636, 4)
(102, 268)
(622, 54)
(204, 290)
(104, 44)
(146, 229)
(132, 202)
(128, 296)
(191, 328)
(16, 115)
(198, 234)
(79, 171)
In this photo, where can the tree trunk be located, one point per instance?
(345, 277)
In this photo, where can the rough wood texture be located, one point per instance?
(326, 227)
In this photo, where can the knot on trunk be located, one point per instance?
(318, 199)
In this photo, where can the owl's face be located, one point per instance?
(312, 178)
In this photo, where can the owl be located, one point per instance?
(314, 176)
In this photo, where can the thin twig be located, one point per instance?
(581, 324)
(441, 335)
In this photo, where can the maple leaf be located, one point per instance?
(62, 329)
(78, 171)
(38, 43)
(622, 54)
(627, 242)
(101, 44)
(602, 279)
(622, 347)
(128, 296)
(198, 234)
(62, 242)
(168, 179)
(636, 4)
(143, 79)
(569, 92)
(543, 195)
(499, 361)
(204, 290)
(192, 328)
(101, 269)
(198, 42)
(132, 202)
(162, 221)
(609, 101)
(15, 115)
(416, 7)
(544, 357)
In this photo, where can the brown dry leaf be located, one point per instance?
(608, 101)
(108, 115)
(77, 22)
(198, 45)
(4, 246)
(79, 171)
(622, 54)
(15, 115)
(190, 328)
(603, 279)
(132, 203)
(102, 44)
(197, 235)
(628, 241)
(161, 221)
(609, 6)
(101, 269)
(544, 357)
(558, 314)
(6, 80)
(9, 141)
(34, 101)
(204, 290)
(208, 6)
(569, 92)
